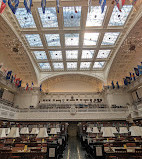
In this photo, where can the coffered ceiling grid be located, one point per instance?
(87, 64)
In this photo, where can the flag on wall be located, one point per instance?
(112, 85)
(140, 69)
(57, 3)
(102, 3)
(27, 4)
(12, 79)
(117, 85)
(134, 77)
(128, 80)
(41, 87)
(2, 5)
(136, 71)
(120, 4)
(43, 5)
(32, 85)
(125, 82)
(17, 80)
(27, 86)
(13, 4)
(130, 75)
(8, 75)
(20, 82)
(89, 5)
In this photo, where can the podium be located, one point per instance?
(52, 151)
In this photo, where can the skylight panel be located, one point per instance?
(72, 54)
(49, 19)
(56, 55)
(98, 64)
(58, 66)
(85, 65)
(71, 19)
(110, 38)
(40, 55)
(119, 18)
(53, 39)
(34, 40)
(25, 19)
(90, 38)
(103, 53)
(95, 17)
(71, 39)
(71, 65)
(45, 66)
(87, 54)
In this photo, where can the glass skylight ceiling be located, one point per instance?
(53, 39)
(25, 20)
(72, 54)
(87, 54)
(95, 17)
(71, 19)
(40, 55)
(71, 65)
(58, 66)
(90, 38)
(71, 39)
(49, 19)
(85, 65)
(103, 53)
(45, 66)
(119, 18)
(34, 40)
(98, 64)
(56, 55)
(110, 38)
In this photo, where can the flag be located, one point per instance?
(89, 5)
(112, 85)
(136, 71)
(32, 85)
(13, 4)
(2, 5)
(19, 83)
(117, 85)
(41, 87)
(27, 4)
(57, 3)
(120, 4)
(125, 81)
(5, 71)
(43, 5)
(12, 79)
(128, 80)
(8, 75)
(130, 75)
(102, 3)
(134, 77)
(27, 86)
(17, 80)
(140, 69)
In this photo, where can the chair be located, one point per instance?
(138, 153)
(5, 154)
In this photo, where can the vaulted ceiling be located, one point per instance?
(37, 45)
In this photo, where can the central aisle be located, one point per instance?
(74, 149)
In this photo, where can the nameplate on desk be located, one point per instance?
(99, 151)
(51, 152)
